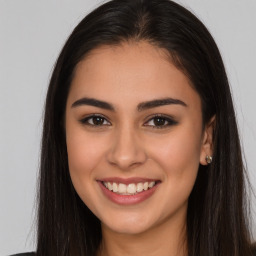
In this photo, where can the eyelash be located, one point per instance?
(85, 121)
(168, 121)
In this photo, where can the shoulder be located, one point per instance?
(25, 254)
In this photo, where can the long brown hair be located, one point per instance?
(217, 216)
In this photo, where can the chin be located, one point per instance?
(128, 229)
(129, 226)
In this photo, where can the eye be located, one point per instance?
(159, 121)
(95, 120)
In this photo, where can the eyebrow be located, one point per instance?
(93, 102)
(142, 106)
(160, 102)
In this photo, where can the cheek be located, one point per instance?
(178, 154)
(179, 160)
(84, 155)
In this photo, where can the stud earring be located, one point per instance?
(208, 159)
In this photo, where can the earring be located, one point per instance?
(208, 159)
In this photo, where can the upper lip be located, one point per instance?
(127, 180)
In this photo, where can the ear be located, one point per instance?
(207, 141)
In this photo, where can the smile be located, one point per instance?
(129, 189)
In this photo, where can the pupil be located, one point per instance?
(159, 121)
(98, 120)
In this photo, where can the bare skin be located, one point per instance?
(160, 240)
(145, 121)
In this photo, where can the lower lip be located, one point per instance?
(128, 199)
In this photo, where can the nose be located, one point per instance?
(126, 150)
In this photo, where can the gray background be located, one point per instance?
(31, 36)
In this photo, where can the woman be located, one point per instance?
(140, 149)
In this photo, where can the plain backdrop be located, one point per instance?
(31, 36)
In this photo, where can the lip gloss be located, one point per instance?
(127, 199)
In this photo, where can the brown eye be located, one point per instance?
(95, 120)
(160, 122)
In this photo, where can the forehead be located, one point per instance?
(130, 71)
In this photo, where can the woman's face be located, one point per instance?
(134, 137)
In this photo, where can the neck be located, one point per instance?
(168, 238)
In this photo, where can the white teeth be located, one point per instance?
(110, 187)
(151, 184)
(115, 187)
(139, 187)
(145, 186)
(129, 189)
(122, 188)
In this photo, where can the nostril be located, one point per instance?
(126, 150)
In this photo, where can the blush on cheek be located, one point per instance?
(179, 157)
(80, 162)
(84, 155)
